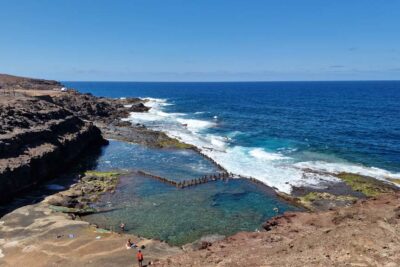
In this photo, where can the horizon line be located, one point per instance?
(274, 81)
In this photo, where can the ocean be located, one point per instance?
(276, 132)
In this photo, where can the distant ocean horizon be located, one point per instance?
(276, 132)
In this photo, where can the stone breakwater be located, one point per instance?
(189, 182)
(38, 139)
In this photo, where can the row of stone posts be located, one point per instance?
(190, 182)
(162, 179)
(204, 179)
(197, 181)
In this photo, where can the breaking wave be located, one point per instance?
(273, 168)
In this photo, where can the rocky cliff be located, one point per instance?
(38, 139)
(43, 129)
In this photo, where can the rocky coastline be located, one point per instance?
(44, 129)
(78, 198)
(38, 140)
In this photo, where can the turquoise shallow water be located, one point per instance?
(173, 164)
(153, 209)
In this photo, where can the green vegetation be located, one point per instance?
(77, 199)
(369, 186)
(173, 143)
(109, 174)
(94, 183)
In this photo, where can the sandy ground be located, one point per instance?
(34, 235)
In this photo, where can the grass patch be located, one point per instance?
(108, 174)
(369, 186)
(312, 196)
(173, 143)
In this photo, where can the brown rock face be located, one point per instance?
(365, 234)
(94, 108)
(38, 139)
(44, 128)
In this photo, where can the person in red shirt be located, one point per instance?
(139, 256)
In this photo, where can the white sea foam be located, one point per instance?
(261, 154)
(218, 142)
(336, 168)
(195, 125)
(239, 161)
(156, 102)
(272, 168)
(315, 180)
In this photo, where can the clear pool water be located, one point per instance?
(157, 210)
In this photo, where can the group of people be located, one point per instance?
(130, 245)
(139, 254)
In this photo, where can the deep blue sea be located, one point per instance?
(276, 131)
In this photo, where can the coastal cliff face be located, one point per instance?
(38, 139)
(43, 129)
(106, 114)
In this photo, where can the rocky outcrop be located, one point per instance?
(79, 197)
(38, 139)
(365, 234)
(94, 108)
(106, 114)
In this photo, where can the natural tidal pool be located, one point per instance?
(153, 209)
(173, 164)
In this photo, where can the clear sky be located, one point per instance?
(201, 40)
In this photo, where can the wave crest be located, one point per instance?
(272, 168)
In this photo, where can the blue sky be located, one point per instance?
(201, 40)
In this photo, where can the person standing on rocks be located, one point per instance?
(139, 256)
